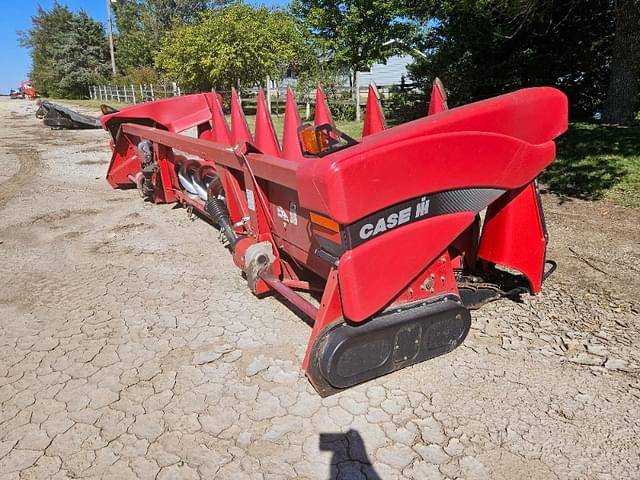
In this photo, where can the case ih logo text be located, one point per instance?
(393, 220)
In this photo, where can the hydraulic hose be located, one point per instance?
(218, 211)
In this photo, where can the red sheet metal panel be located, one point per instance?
(485, 144)
(372, 274)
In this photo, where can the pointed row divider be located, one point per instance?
(290, 144)
(374, 120)
(438, 101)
(323, 114)
(265, 136)
(239, 130)
(221, 132)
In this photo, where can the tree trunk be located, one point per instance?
(625, 67)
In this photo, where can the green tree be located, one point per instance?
(133, 41)
(353, 33)
(622, 98)
(240, 44)
(481, 48)
(68, 51)
(141, 24)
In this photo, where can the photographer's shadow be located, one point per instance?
(349, 459)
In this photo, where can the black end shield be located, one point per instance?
(346, 354)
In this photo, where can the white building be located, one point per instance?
(394, 72)
(385, 75)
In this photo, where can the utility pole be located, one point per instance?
(357, 89)
(269, 93)
(110, 17)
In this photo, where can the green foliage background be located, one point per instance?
(69, 52)
(141, 25)
(480, 48)
(354, 33)
(237, 45)
(483, 48)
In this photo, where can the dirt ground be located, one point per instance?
(130, 347)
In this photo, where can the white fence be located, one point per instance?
(133, 93)
(340, 98)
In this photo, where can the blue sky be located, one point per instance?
(16, 15)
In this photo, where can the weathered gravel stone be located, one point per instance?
(377, 415)
(587, 359)
(454, 447)
(397, 456)
(244, 439)
(216, 423)
(430, 430)
(178, 472)
(257, 365)
(148, 426)
(432, 454)
(615, 364)
(391, 405)
(424, 471)
(35, 440)
(18, 460)
(473, 468)
(267, 406)
(402, 435)
(202, 358)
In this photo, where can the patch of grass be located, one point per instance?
(351, 128)
(597, 161)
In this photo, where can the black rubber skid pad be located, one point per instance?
(347, 354)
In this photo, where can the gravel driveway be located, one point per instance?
(131, 347)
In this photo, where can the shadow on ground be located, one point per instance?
(593, 159)
(350, 459)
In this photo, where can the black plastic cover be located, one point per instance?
(347, 354)
(57, 116)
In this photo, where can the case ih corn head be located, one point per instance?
(386, 231)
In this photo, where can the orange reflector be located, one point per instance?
(324, 222)
(307, 135)
(323, 139)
